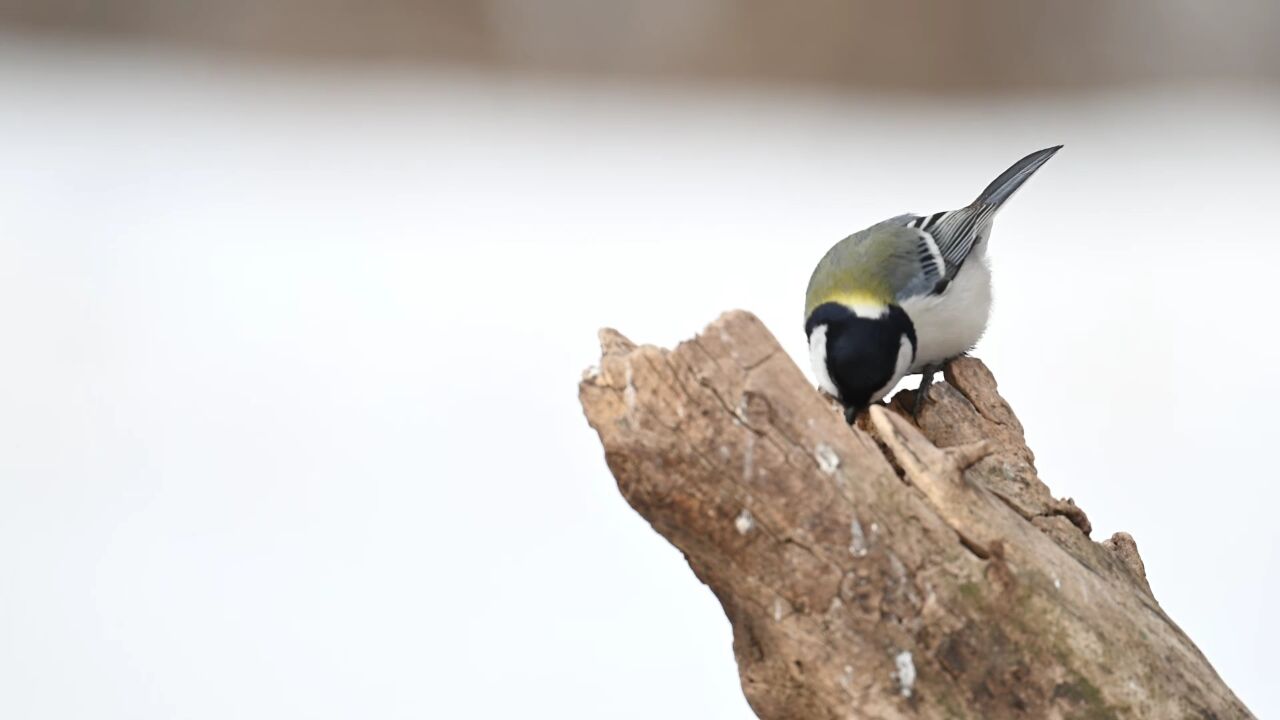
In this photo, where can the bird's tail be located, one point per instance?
(1003, 187)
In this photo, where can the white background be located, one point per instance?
(288, 413)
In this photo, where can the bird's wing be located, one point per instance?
(925, 258)
(956, 233)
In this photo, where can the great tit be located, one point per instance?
(904, 296)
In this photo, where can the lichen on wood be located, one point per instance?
(891, 569)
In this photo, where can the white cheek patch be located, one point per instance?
(905, 352)
(818, 356)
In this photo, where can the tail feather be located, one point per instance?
(1003, 187)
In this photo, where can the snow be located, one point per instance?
(905, 672)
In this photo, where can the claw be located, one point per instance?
(926, 381)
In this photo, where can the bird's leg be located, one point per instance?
(926, 380)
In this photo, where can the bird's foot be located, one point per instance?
(926, 381)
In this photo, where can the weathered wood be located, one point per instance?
(886, 570)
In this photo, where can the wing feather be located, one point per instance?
(931, 264)
(958, 232)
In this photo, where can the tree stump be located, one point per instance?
(887, 570)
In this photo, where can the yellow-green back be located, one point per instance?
(867, 268)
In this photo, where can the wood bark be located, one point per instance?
(887, 570)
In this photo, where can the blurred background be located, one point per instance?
(295, 296)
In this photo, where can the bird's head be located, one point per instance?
(860, 349)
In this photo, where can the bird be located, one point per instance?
(904, 296)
